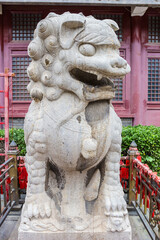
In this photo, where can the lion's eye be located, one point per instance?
(87, 49)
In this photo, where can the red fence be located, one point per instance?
(143, 188)
(146, 191)
(9, 195)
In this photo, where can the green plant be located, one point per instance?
(18, 136)
(147, 139)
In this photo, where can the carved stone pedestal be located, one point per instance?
(125, 235)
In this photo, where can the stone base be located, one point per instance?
(124, 235)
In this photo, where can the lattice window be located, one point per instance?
(21, 80)
(24, 24)
(154, 29)
(118, 82)
(154, 79)
(117, 18)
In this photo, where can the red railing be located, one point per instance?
(8, 181)
(143, 188)
(146, 191)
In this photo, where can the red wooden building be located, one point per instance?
(137, 99)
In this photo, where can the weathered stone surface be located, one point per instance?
(72, 131)
(125, 235)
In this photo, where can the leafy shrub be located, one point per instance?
(147, 139)
(18, 136)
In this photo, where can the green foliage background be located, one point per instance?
(146, 137)
(18, 136)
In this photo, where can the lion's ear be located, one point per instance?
(70, 27)
(112, 24)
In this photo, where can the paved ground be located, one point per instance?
(138, 230)
(9, 229)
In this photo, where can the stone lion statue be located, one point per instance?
(72, 133)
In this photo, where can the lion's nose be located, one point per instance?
(119, 63)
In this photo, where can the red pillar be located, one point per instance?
(136, 76)
(1, 44)
(1, 64)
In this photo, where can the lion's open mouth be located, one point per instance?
(96, 86)
(91, 78)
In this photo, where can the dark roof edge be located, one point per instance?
(152, 3)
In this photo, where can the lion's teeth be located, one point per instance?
(99, 77)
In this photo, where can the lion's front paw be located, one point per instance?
(37, 205)
(116, 211)
(115, 203)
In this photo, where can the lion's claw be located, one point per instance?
(38, 205)
(116, 212)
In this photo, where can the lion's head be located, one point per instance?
(71, 52)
